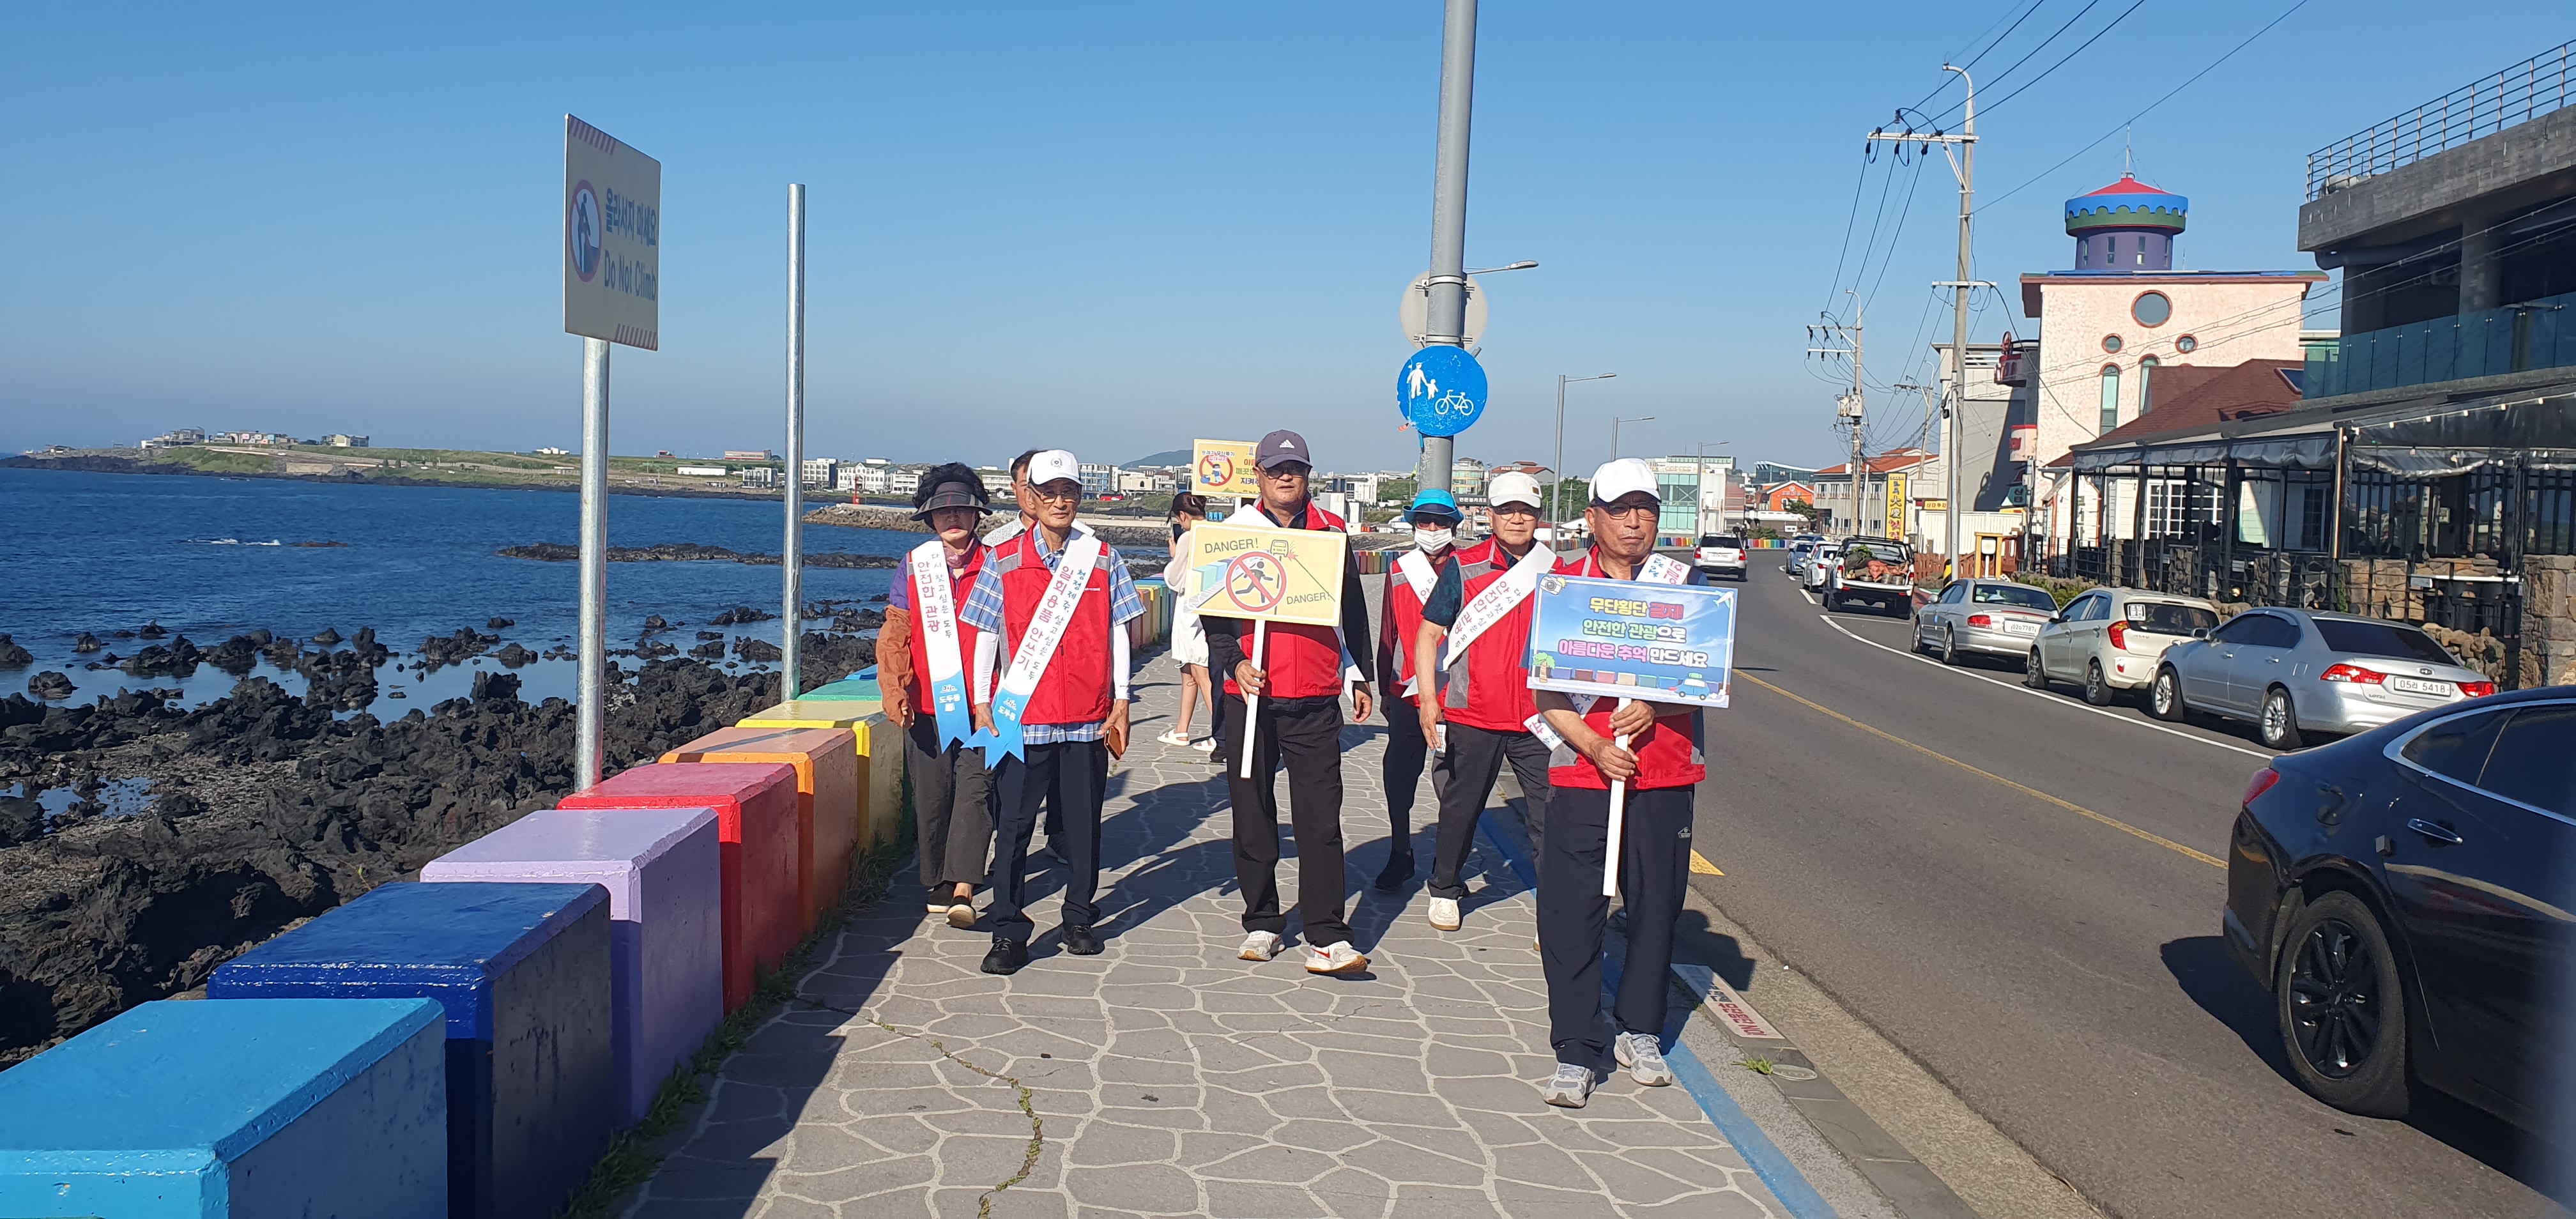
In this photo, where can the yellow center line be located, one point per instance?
(2024, 788)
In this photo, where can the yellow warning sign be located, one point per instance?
(1282, 575)
(1223, 467)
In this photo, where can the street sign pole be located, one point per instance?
(594, 562)
(612, 284)
(791, 646)
(1449, 213)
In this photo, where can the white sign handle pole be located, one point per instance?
(588, 686)
(1618, 814)
(1252, 701)
(791, 630)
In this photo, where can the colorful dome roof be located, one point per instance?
(2126, 204)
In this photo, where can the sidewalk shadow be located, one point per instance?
(1696, 942)
(2209, 977)
(717, 1163)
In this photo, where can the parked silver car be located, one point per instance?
(2114, 639)
(1796, 563)
(1996, 617)
(2293, 672)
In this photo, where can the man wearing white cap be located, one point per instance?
(1661, 764)
(1479, 608)
(1059, 600)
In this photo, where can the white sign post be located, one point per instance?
(612, 266)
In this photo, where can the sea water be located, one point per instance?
(210, 558)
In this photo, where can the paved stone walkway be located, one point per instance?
(1165, 1077)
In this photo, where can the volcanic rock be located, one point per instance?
(498, 624)
(656, 622)
(327, 639)
(87, 643)
(740, 614)
(499, 687)
(713, 649)
(12, 656)
(154, 630)
(756, 649)
(437, 652)
(711, 634)
(512, 656)
(50, 685)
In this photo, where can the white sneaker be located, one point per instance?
(1259, 946)
(1569, 1088)
(1643, 1055)
(1444, 913)
(1339, 959)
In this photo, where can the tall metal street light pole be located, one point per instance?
(1448, 279)
(792, 622)
(1553, 509)
(1614, 432)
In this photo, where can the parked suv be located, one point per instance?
(1720, 555)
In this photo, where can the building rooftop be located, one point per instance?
(2190, 397)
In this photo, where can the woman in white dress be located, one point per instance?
(1189, 639)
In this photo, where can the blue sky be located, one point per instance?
(1106, 227)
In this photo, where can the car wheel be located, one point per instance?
(2342, 1008)
(2096, 690)
(2164, 696)
(1949, 646)
(2279, 726)
(1917, 639)
(2032, 675)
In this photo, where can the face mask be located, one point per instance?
(1432, 539)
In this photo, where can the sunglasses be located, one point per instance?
(1617, 511)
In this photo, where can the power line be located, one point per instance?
(2026, 56)
(1858, 182)
(2124, 124)
(2097, 37)
(1989, 49)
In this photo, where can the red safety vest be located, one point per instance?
(1668, 754)
(1488, 687)
(1303, 661)
(1399, 622)
(1076, 687)
(961, 584)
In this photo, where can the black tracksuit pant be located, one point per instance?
(1465, 777)
(1306, 734)
(1073, 775)
(1401, 769)
(952, 801)
(1655, 852)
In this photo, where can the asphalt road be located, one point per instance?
(2058, 967)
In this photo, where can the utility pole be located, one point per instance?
(1963, 163)
(1448, 279)
(1923, 441)
(1848, 408)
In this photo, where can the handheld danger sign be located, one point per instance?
(1267, 575)
(1272, 575)
(1223, 467)
(612, 239)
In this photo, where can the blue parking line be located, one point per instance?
(1785, 1181)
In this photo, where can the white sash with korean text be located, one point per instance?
(935, 609)
(1038, 647)
(1498, 599)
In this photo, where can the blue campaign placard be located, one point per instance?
(1441, 390)
(1632, 639)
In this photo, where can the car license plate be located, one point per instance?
(2016, 626)
(2417, 685)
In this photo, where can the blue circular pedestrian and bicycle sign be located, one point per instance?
(1441, 390)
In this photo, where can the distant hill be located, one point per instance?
(1168, 457)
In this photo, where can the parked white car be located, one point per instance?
(1811, 574)
(2111, 639)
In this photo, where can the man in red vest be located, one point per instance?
(1059, 601)
(1661, 764)
(923, 645)
(1481, 610)
(1410, 580)
(1300, 678)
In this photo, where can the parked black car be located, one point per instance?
(2405, 895)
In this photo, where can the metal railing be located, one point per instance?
(2481, 343)
(2518, 94)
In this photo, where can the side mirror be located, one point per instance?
(2200, 632)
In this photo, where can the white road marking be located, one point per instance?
(1828, 620)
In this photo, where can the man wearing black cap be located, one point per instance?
(1300, 679)
(1409, 582)
(923, 658)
